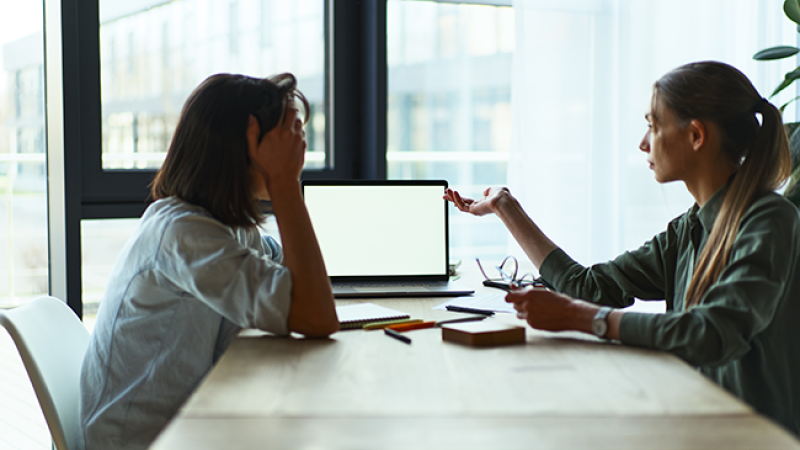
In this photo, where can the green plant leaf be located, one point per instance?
(792, 10)
(787, 104)
(779, 52)
(788, 79)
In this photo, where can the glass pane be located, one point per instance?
(23, 209)
(101, 242)
(23, 182)
(153, 53)
(449, 106)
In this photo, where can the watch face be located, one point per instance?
(599, 327)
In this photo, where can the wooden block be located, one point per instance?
(482, 334)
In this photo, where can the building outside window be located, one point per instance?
(23, 209)
(153, 53)
(449, 106)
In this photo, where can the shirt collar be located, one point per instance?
(708, 212)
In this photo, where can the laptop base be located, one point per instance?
(445, 289)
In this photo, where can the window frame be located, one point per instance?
(79, 188)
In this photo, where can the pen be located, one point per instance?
(485, 312)
(411, 326)
(462, 319)
(391, 333)
(386, 323)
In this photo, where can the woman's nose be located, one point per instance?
(645, 144)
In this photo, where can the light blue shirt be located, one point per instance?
(182, 288)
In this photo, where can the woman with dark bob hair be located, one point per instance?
(196, 270)
(727, 267)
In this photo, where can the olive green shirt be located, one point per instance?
(745, 333)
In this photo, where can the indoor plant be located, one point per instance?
(792, 10)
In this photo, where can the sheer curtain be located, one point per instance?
(582, 77)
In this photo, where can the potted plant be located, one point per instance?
(792, 10)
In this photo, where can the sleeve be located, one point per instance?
(272, 249)
(740, 304)
(203, 258)
(642, 273)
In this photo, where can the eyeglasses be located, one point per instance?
(508, 278)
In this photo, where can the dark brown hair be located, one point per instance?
(720, 94)
(208, 163)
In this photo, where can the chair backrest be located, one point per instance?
(51, 341)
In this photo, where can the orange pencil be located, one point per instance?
(412, 326)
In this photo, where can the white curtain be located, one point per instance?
(583, 73)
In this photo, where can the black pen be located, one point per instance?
(461, 319)
(463, 309)
(391, 333)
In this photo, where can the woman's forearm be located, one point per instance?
(312, 312)
(532, 240)
(537, 246)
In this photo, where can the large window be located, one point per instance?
(23, 181)
(154, 52)
(449, 105)
(582, 81)
(23, 209)
(548, 98)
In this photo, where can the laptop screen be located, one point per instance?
(380, 229)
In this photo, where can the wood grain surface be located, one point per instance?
(362, 389)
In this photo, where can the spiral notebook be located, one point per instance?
(358, 315)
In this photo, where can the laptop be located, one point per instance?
(383, 238)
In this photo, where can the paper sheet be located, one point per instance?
(493, 301)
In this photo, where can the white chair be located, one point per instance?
(51, 341)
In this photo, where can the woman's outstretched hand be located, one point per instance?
(281, 154)
(480, 207)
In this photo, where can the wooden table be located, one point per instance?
(364, 390)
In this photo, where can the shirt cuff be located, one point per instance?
(637, 329)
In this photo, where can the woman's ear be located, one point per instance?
(253, 131)
(697, 134)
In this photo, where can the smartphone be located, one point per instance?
(504, 285)
(509, 286)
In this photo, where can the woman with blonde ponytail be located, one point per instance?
(726, 267)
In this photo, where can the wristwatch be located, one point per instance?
(600, 322)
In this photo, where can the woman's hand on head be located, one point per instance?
(488, 204)
(281, 153)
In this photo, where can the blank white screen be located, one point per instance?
(379, 230)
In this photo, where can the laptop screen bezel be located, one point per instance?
(444, 276)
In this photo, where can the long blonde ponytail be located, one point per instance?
(718, 93)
